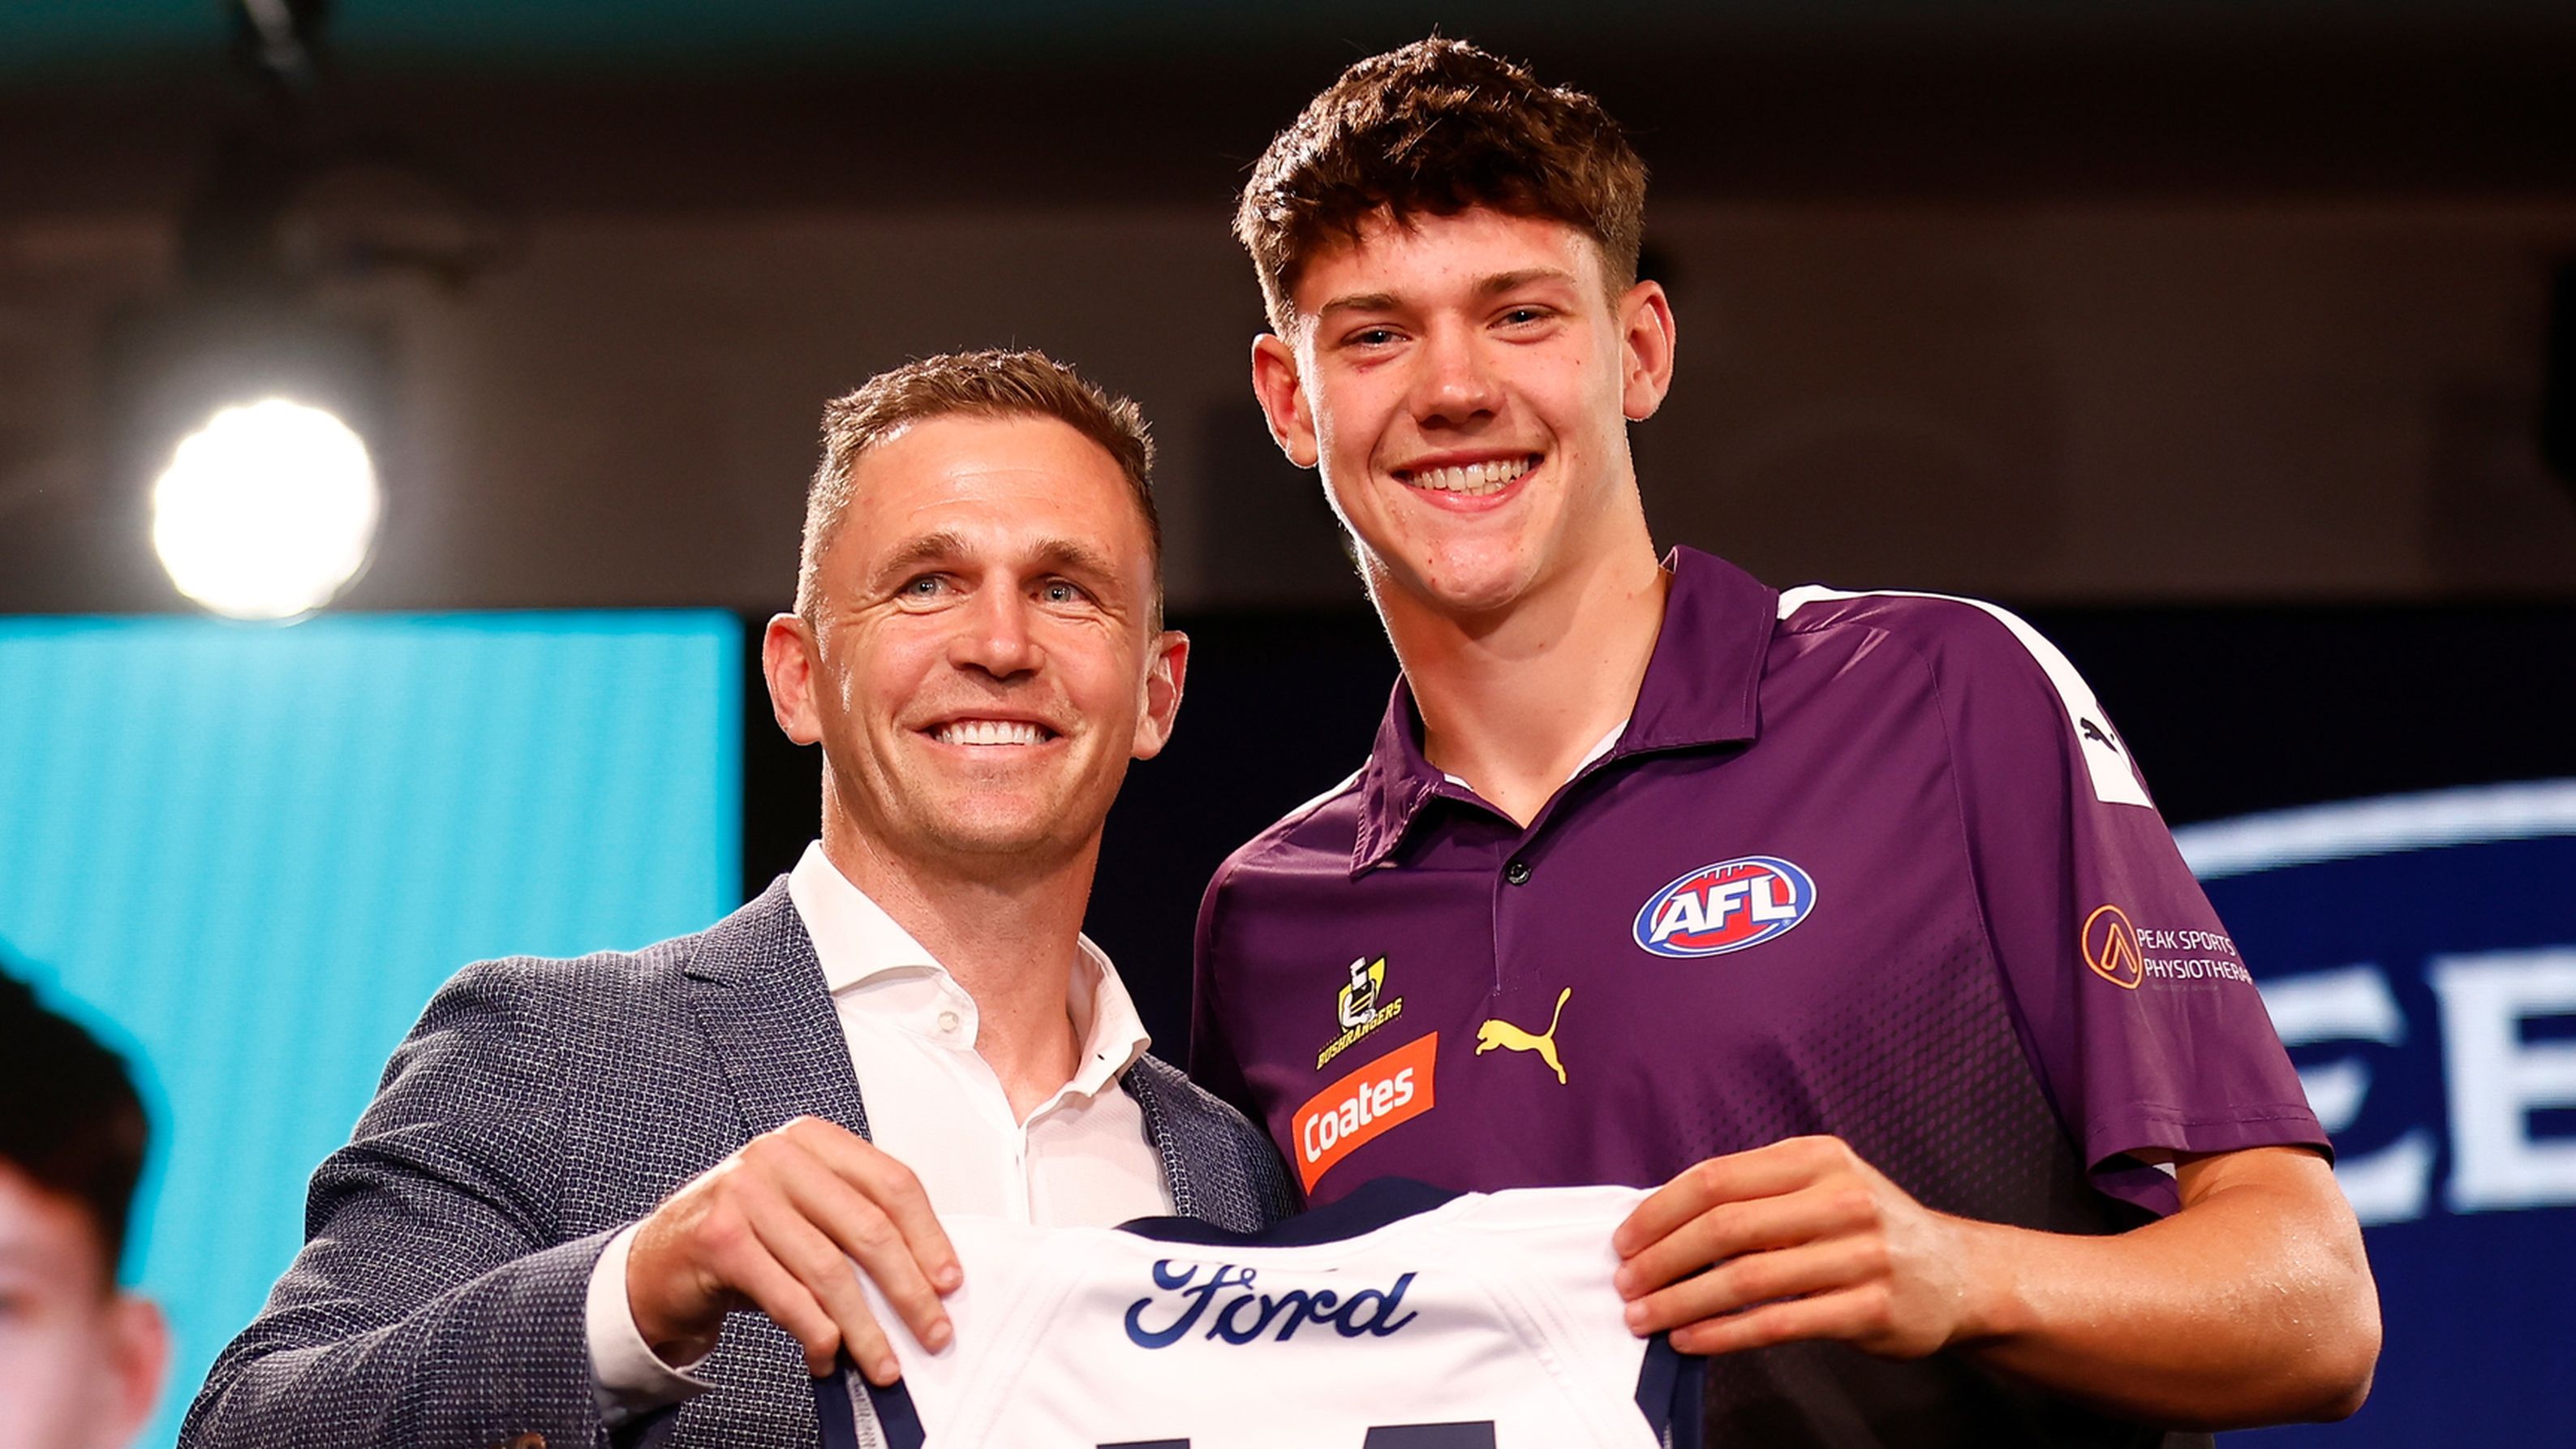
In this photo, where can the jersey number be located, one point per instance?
(1479, 1435)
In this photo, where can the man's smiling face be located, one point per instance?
(1465, 383)
(982, 661)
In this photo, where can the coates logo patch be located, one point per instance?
(1726, 907)
(2111, 947)
(1358, 1109)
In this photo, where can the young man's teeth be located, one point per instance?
(1473, 479)
(989, 732)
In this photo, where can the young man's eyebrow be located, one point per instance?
(1499, 282)
(1359, 302)
(1514, 281)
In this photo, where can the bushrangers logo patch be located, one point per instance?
(1358, 1009)
(1725, 907)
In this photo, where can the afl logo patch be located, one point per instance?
(1725, 907)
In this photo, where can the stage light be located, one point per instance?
(267, 511)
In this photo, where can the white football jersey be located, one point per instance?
(1401, 1317)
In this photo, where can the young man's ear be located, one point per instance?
(1282, 394)
(787, 659)
(1648, 338)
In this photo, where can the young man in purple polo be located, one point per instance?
(1844, 917)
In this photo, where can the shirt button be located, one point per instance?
(948, 1023)
(1518, 872)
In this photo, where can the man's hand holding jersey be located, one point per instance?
(775, 1227)
(1802, 1239)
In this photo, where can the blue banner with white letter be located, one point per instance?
(2418, 955)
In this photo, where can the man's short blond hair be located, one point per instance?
(990, 384)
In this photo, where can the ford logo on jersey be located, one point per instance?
(1246, 1314)
(1725, 907)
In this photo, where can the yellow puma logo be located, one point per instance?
(1501, 1033)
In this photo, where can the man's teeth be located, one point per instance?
(1473, 479)
(990, 732)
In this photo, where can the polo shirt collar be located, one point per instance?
(1701, 688)
(857, 944)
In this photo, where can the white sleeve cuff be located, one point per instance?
(626, 1377)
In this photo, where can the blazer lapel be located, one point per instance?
(759, 995)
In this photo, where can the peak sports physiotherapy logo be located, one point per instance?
(1728, 906)
(2120, 952)
(1248, 1314)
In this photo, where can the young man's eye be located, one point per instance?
(1373, 337)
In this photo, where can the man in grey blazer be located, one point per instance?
(616, 1199)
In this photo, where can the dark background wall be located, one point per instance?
(2078, 302)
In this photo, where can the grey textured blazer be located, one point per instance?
(538, 1107)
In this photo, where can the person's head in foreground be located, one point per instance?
(1448, 253)
(80, 1358)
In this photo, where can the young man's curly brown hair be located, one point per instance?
(1437, 127)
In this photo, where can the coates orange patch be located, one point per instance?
(2111, 947)
(1385, 1094)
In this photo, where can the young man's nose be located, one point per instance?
(1457, 381)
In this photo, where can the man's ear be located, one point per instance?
(787, 658)
(1648, 340)
(1282, 394)
(139, 1350)
(1163, 679)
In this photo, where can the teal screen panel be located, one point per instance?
(248, 855)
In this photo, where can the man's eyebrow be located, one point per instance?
(1063, 555)
(919, 550)
(1074, 556)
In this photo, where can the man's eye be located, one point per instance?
(1521, 316)
(928, 586)
(1373, 337)
(1060, 592)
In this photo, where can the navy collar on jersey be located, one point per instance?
(1365, 1209)
(1700, 689)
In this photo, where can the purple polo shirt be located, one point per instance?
(1870, 865)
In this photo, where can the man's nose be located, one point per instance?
(994, 635)
(1457, 382)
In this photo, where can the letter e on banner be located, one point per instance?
(1385, 1094)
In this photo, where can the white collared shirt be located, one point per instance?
(1080, 1159)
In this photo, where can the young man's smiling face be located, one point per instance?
(1465, 383)
(983, 660)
